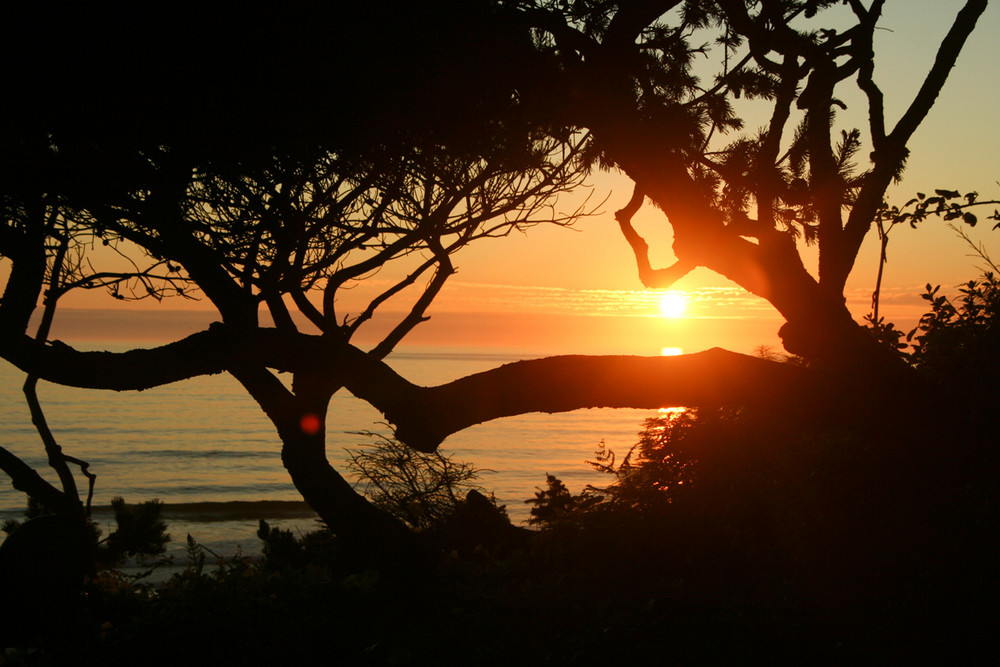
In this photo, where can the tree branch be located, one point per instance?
(25, 478)
(352, 325)
(56, 459)
(944, 61)
(865, 53)
(891, 157)
(632, 18)
(416, 314)
(650, 277)
(425, 416)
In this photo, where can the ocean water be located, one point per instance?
(202, 442)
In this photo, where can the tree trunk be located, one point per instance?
(371, 534)
(818, 325)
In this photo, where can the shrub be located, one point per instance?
(555, 505)
(422, 490)
(140, 530)
(284, 549)
(659, 467)
(959, 343)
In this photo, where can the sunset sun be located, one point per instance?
(673, 304)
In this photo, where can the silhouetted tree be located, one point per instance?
(296, 179)
(263, 205)
(632, 73)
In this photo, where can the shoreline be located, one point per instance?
(209, 511)
(235, 510)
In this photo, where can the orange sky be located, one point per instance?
(588, 271)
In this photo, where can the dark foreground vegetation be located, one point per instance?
(723, 535)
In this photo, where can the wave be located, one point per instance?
(226, 454)
(232, 510)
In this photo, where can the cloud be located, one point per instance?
(709, 302)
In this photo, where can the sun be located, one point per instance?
(673, 304)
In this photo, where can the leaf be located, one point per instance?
(969, 219)
(947, 194)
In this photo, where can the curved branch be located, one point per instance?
(56, 458)
(650, 277)
(425, 416)
(25, 478)
(91, 478)
(417, 312)
(220, 348)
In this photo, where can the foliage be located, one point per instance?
(284, 549)
(886, 334)
(659, 467)
(478, 527)
(420, 489)
(768, 555)
(915, 211)
(140, 530)
(950, 205)
(654, 473)
(958, 343)
(555, 505)
(34, 509)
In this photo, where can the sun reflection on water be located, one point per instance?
(671, 352)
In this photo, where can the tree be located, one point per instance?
(628, 73)
(284, 219)
(262, 208)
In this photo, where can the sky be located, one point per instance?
(577, 289)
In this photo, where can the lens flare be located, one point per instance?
(310, 424)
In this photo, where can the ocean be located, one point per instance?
(205, 449)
